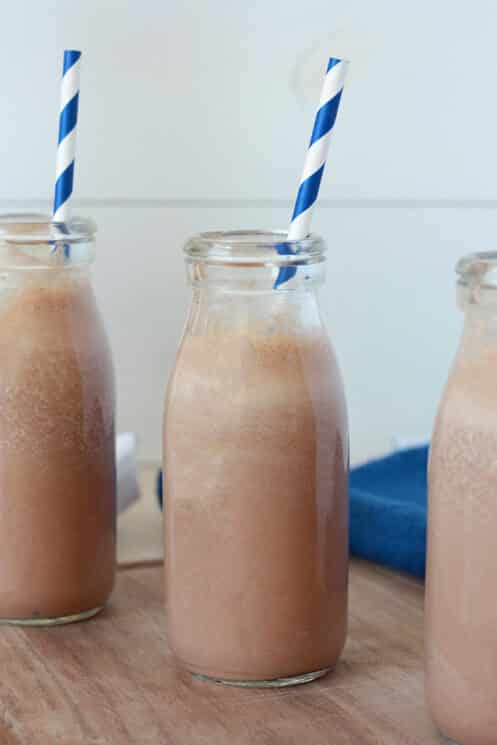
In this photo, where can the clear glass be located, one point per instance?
(255, 463)
(57, 460)
(461, 609)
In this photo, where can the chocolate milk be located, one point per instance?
(256, 511)
(461, 604)
(57, 471)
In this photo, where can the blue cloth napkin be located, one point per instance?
(387, 510)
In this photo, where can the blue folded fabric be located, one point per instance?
(387, 510)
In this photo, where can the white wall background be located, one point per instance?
(195, 115)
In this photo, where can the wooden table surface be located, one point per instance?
(112, 681)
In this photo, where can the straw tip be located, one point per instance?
(334, 61)
(71, 56)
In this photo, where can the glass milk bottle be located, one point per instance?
(255, 462)
(57, 463)
(461, 597)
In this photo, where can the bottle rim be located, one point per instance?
(477, 281)
(31, 228)
(478, 269)
(254, 248)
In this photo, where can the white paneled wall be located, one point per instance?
(195, 115)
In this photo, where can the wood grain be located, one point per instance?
(112, 681)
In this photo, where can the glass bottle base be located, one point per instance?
(292, 680)
(57, 621)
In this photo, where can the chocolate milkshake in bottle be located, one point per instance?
(461, 597)
(255, 461)
(57, 463)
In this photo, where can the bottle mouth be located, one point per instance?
(31, 229)
(477, 279)
(32, 241)
(254, 248)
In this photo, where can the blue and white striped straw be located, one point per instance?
(315, 160)
(66, 149)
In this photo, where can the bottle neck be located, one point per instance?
(479, 330)
(16, 280)
(214, 310)
(247, 278)
(48, 274)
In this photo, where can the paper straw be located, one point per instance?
(315, 160)
(66, 150)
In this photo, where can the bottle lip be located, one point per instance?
(478, 269)
(477, 282)
(31, 228)
(254, 248)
